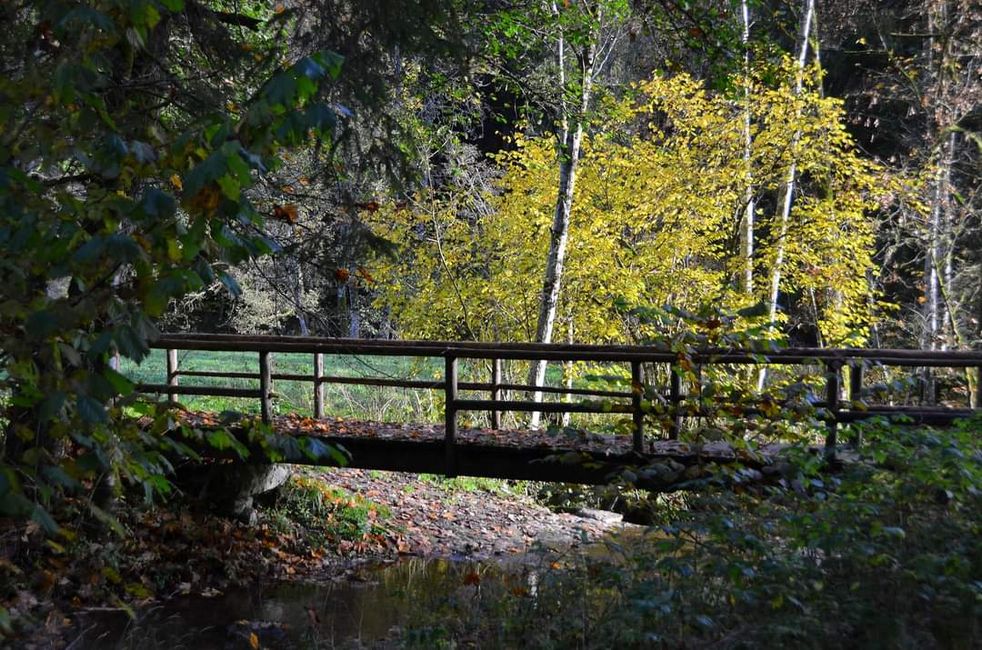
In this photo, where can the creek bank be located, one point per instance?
(185, 556)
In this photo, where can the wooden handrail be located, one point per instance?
(560, 351)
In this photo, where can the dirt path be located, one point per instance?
(433, 517)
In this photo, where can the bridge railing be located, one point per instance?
(837, 407)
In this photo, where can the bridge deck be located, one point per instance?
(566, 457)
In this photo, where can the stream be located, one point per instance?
(366, 608)
(286, 614)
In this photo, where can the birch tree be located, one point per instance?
(583, 39)
(787, 190)
(786, 195)
(747, 223)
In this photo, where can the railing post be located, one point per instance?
(928, 386)
(318, 385)
(856, 395)
(675, 398)
(450, 414)
(265, 387)
(833, 386)
(856, 381)
(699, 406)
(637, 390)
(495, 392)
(172, 373)
(978, 387)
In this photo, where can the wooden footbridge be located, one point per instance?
(658, 450)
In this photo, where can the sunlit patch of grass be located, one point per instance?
(473, 484)
(324, 515)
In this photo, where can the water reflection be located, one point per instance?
(358, 612)
(296, 615)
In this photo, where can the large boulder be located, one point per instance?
(229, 488)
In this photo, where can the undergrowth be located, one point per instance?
(310, 508)
(884, 553)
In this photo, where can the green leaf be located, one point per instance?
(83, 17)
(221, 440)
(130, 343)
(120, 383)
(111, 522)
(158, 204)
(206, 172)
(41, 516)
(230, 284)
(91, 410)
(52, 406)
(6, 625)
(230, 187)
(57, 475)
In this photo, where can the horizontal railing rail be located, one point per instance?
(836, 407)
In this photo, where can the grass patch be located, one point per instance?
(369, 402)
(346, 401)
(473, 484)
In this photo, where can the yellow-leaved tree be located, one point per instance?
(655, 221)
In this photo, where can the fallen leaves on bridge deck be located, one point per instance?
(558, 440)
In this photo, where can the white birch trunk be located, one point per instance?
(931, 334)
(571, 135)
(747, 230)
(787, 190)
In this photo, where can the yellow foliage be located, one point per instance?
(658, 195)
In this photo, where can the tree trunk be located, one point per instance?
(298, 307)
(571, 137)
(747, 225)
(933, 250)
(787, 190)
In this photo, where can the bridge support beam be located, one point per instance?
(856, 396)
(495, 392)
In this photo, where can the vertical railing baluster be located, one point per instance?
(318, 385)
(495, 392)
(675, 398)
(173, 373)
(856, 396)
(450, 414)
(265, 387)
(833, 386)
(637, 390)
(978, 387)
